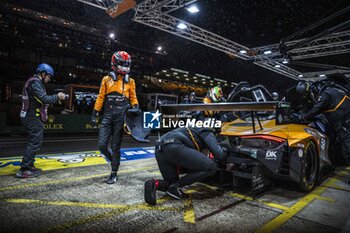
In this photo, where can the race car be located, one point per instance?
(295, 152)
(265, 143)
(282, 148)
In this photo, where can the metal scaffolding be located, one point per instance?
(155, 13)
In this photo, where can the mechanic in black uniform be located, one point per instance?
(181, 148)
(334, 103)
(35, 102)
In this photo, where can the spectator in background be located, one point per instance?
(92, 104)
(185, 99)
(83, 106)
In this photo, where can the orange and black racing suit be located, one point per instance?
(334, 103)
(114, 97)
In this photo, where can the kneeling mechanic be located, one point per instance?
(181, 148)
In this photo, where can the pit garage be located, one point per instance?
(281, 174)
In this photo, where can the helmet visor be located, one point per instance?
(124, 63)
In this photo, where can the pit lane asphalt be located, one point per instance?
(78, 200)
(15, 145)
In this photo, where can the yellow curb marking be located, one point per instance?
(82, 221)
(156, 173)
(54, 163)
(118, 209)
(247, 198)
(189, 215)
(92, 205)
(297, 207)
(336, 187)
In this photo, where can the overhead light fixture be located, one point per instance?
(267, 52)
(181, 26)
(322, 75)
(277, 66)
(159, 48)
(111, 35)
(193, 9)
(285, 61)
(243, 51)
(300, 75)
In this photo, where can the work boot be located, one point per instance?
(113, 178)
(176, 192)
(28, 173)
(150, 192)
(34, 169)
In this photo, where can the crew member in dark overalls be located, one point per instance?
(181, 148)
(334, 103)
(35, 102)
(117, 91)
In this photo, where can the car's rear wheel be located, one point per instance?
(310, 169)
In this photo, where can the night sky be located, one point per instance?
(248, 22)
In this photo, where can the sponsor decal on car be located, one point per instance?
(271, 155)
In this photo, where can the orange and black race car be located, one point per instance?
(265, 143)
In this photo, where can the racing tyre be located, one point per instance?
(309, 177)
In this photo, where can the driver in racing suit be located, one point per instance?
(117, 91)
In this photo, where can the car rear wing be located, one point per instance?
(222, 107)
(282, 109)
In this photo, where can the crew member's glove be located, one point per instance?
(94, 119)
(135, 109)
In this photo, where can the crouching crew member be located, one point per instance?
(181, 148)
(35, 102)
(117, 91)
